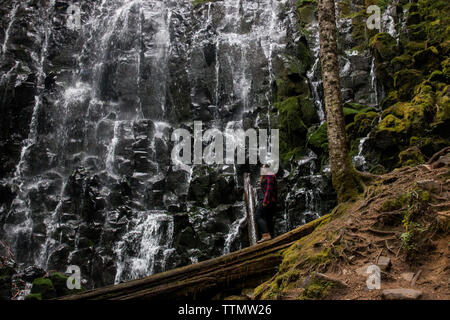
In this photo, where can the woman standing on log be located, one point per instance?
(267, 198)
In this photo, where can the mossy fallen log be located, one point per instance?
(230, 273)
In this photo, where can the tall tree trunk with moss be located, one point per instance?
(345, 178)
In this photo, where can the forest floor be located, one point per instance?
(401, 224)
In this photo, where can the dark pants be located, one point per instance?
(264, 218)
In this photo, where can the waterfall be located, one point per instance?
(12, 19)
(315, 73)
(95, 183)
(150, 242)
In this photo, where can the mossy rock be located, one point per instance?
(446, 67)
(405, 81)
(418, 32)
(411, 157)
(384, 46)
(437, 76)
(404, 61)
(390, 100)
(317, 290)
(291, 86)
(44, 287)
(404, 118)
(33, 297)
(292, 127)
(413, 18)
(319, 138)
(427, 60)
(307, 13)
(441, 122)
(59, 282)
(353, 109)
(308, 111)
(414, 46)
(362, 125)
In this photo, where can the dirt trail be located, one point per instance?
(404, 217)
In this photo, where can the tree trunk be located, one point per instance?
(345, 178)
(218, 277)
(250, 206)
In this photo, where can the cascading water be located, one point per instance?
(95, 184)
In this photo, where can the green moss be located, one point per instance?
(390, 100)
(411, 157)
(414, 46)
(427, 60)
(59, 282)
(306, 256)
(301, 3)
(33, 297)
(384, 46)
(348, 185)
(405, 81)
(446, 67)
(416, 222)
(442, 118)
(308, 111)
(403, 120)
(307, 12)
(291, 125)
(319, 138)
(437, 15)
(352, 109)
(437, 76)
(44, 287)
(361, 126)
(393, 204)
(316, 290)
(405, 61)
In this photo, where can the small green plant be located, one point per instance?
(415, 222)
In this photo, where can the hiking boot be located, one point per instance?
(265, 237)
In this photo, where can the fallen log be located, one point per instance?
(230, 273)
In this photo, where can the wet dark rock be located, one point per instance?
(32, 272)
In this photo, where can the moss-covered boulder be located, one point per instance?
(405, 81)
(292, 128)
(411, 157)
(441, 123)
(44, 287)
(59, 282)
(404, 61)
(308, 111)
(351, 110)
(307, 10)
(404, 118)
(427, 60)
(318, 139)
(390, 100)
(33, 297)
(384, 46)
